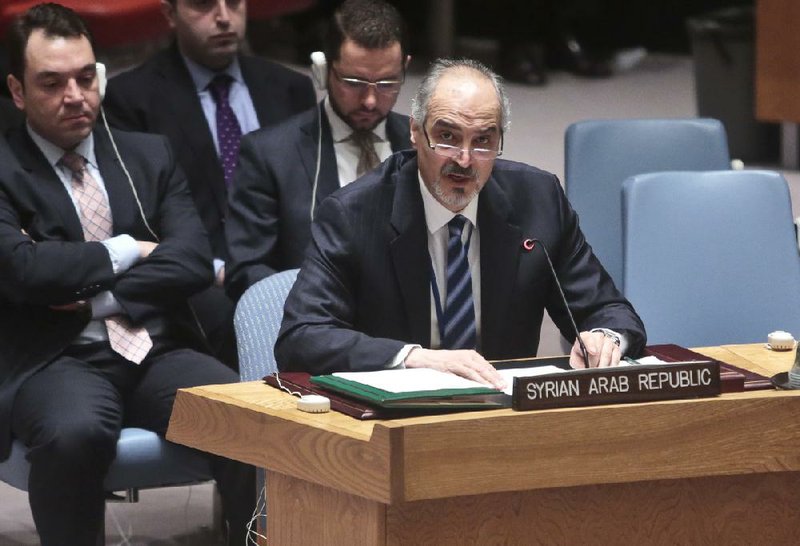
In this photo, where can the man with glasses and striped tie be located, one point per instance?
(441, 257)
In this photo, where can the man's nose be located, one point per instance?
(73, 91)
(464, 158)
(370, 98)
(223, 13)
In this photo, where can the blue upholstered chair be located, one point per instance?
(601, 154)
(257, 321)
(144, 460)
(710, 257)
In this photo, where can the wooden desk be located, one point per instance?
(715, 470)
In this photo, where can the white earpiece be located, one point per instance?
(319, 69)
(101, 79)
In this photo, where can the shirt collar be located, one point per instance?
(202, 76)
(341, 131)
(437, 216)
(53, 153)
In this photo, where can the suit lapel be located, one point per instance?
(181, 102)
(500, 250)
(258, 85)
(308, 147)
(116, 183)
(409, 251)
(398, 131)
(46, 181)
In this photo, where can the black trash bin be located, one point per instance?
(723, 48)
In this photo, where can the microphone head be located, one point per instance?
(528, 244)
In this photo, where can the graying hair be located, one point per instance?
(419, 104)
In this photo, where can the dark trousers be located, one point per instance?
(214, 312)
(70, 414)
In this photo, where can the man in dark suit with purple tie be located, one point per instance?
(181, 93)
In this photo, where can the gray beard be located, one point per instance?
(457, 199)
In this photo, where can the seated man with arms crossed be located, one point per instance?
(95, 270)
(429, 261)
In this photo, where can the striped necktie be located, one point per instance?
(131, 342)
(458, 316)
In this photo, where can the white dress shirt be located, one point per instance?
(347, 151)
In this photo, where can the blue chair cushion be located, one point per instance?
(144, 460)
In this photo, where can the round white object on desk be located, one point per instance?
(313, 403)
(780, 341)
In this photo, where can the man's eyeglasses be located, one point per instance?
(382, 87)
(453, 152)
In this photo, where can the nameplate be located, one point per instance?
(617, 385)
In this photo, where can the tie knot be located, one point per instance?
(220, 87)
(74, 162)
(456, 225)
(362, 138)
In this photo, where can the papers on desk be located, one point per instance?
(511, 373)
(410, 381)
(406, 380)
(412, 388)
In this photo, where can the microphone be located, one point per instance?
(528, 245)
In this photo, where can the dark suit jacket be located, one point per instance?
(50, 263)
(160, 97)
(269, 221)
(10, 115)
(364, 289)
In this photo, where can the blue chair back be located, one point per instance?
(711, 257)
(257, 321)
(601, 154)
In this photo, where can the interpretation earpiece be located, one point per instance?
(101, 79)
(319, 69)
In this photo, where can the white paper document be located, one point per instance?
(410, 380)
(511, 373)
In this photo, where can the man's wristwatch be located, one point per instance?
(610, 334)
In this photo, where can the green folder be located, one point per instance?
(466, 398)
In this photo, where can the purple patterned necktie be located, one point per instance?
(132, 342)
(229, 132)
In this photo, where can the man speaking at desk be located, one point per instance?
(437, 259)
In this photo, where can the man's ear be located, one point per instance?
(408, 62)
(15, 86)
(168, 9)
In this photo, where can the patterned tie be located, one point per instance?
(133, 343)
(368, 159)
(229, 132)
(458, 317)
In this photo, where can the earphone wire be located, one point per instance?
(127, 175)
(319, 162)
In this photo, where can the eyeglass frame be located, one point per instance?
(450, 148)
(361, 85)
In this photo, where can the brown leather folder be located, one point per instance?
(733, 378)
